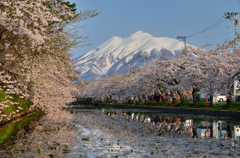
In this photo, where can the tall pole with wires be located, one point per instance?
(144, 59)
(236, 33)
(184, 38)
(234, 15)
(129, 67)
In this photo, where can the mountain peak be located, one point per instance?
(141, 33)
(112, 55)
(138, 32)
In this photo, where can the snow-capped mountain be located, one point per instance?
(117, 54)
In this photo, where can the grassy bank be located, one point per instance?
(8, 131)
(198, 105)
(15, 114)
(13, 106)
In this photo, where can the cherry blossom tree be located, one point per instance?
(35, 38)
(130, 86)
(192, 74)
(227, 67)
(154, 77)
(196, 69)
(211, 71)
(164, 75)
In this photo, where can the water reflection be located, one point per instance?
(193, 127)
(174, 126)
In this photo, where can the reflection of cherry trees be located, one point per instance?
(35, 38)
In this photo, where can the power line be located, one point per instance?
(214, 24)
(212, 38)
(219, 21)
(184, 38)
(173, 44)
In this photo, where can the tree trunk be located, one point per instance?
(194, 95)
(211, 100)
(229, 97)
(211, 128)
(174, 100)
(182, 97)
(194, 127)
(195, 132)
(229, 100)
(229, 130)
(172, 94)
(163, 94)
(152, 98)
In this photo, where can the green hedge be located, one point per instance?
(186, 104)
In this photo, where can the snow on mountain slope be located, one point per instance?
(116, 53)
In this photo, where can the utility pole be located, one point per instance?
(184, 38)
(128, 63)
(144, 59)
(234, 15)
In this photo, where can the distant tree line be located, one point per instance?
(195, 70)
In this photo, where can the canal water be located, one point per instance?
(195, 126)
(120, 133)
(155, 135)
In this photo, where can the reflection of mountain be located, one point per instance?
(114, 54)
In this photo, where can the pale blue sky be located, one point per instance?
(160, 18)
